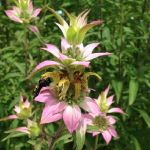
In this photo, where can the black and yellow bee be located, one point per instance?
(42, 83)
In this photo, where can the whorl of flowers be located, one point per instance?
(66, 97)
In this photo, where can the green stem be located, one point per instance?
(26, 51)
(121, 38)
(96, 142)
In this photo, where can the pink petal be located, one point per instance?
(52, 118)
(26, 104)
(64, 44)
(96, 22)
(63, 57)
(82, 63)
(89, 48)
(12, 16)
(110, 100)
(107, 136)
(90, 106)
(115, 110)
(34, 29)
(9, 118)
(113, 132)
(52, 49)
(22, 129)
(36, 12)
(30, 6)
(111, 120)
(17, 109)
(95, 55)
(52, 112)
(12, 117)
(45, 96)
(45, 64)
(71, 117)
(95, 133)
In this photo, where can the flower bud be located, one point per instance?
(24, 109)
(34, 128)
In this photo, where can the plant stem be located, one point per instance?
(55, 136)
(26, 51)
(96, 142)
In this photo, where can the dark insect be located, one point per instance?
(42, 83)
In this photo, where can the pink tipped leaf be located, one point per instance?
(44, 65)
(81, 63)
(116, 110)
(95, 55)
(89, 49)
(36, 12)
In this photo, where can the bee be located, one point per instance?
(43, 82)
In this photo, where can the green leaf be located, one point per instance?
(136, 143)
(117, 85)
(145, 116)
(65, 138)
(12, 135)
(133, 89)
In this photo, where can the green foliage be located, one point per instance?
(125, 33)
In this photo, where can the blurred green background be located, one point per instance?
(125, 33)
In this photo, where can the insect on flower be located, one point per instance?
(43, 82)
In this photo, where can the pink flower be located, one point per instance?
(67, 110)
(24, 13)
(69, 56)
(23, 111)
(102, 124)
(105, 102)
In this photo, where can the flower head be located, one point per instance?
(66, 109)
(23, 12)
(105, 102)
(75, 31)
(69, 57)
(102, 124)
(23, 111)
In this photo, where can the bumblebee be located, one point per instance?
(43, 82)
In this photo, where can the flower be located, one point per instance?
(23, 111)
(68, 110)
(33, 129)
(78, 27)
(105, 102)
(69, 57)
(24, 12)
(102, 124)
